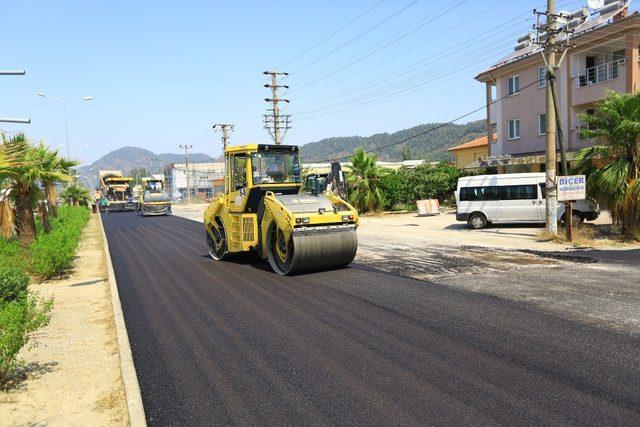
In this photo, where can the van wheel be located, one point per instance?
(477, 221)
(576, 219)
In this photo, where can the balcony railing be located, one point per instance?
(600, 73)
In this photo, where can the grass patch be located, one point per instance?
(583, 235)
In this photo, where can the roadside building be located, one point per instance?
(470, 153)
(203, 183)
(604, 58)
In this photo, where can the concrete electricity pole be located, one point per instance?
(186, 148)
(225, 133)
(274, 122)
(551, 161)
(548, 40)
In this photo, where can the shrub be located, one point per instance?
(53, 253)
(11, 254)
(13, 284)
(17, 320)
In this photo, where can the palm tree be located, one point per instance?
(612, 166)
(75, 195)
(21, 180)
(55, 170)
(50, 171)
(364, 181)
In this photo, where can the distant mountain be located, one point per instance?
(432, 146)
(128, 158)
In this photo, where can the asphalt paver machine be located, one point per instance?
(265, 209)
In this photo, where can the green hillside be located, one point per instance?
(431, 146)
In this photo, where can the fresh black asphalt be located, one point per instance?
(231, 342)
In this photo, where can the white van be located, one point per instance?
(511, 198)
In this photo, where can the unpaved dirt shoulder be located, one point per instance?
(73, 376)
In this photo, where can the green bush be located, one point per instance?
(53, 253)
(11, 254)
(17, 320)
(13, 284)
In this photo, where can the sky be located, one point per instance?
(162, 72)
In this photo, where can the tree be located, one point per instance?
(51, 170)
(364, 181)
(75, 195)
(21, 180)
(612, 165)
(28, 168)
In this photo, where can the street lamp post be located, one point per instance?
(66, 102)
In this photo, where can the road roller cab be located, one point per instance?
(263, 209)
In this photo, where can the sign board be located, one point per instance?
(572, 188)
(428, 207)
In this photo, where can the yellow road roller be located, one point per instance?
(264, 209)
(154, 199)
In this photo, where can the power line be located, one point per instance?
(388, 18)
(330, 35)
(431, 129)
(325, 76)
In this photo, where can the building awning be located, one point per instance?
(508, 160)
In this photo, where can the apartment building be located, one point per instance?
(604, 57)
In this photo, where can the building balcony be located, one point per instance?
(592, 84)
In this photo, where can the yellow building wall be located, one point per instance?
(466, 156)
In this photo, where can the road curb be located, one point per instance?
(127, 369)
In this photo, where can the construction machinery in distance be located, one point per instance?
(265, 209)
(333, 181)
(154, 199)
(116, 188)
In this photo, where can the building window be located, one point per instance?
(513, 84)
(494, 133)
(542, 77)
(514, 129)
(542, 124)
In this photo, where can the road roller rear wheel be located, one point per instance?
(218, 243)
(279, 250)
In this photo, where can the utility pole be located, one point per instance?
(225, 133)
(186, 148)
(274, 122)
(551, 161)
(554, 126)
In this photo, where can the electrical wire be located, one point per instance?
(329, 36)
(433, 129)
(348, 42)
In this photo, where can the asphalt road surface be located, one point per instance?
(232, 342)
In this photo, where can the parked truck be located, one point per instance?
(116, 188)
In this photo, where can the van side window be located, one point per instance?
(470, 194)
(543, 190)
(519, 192)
